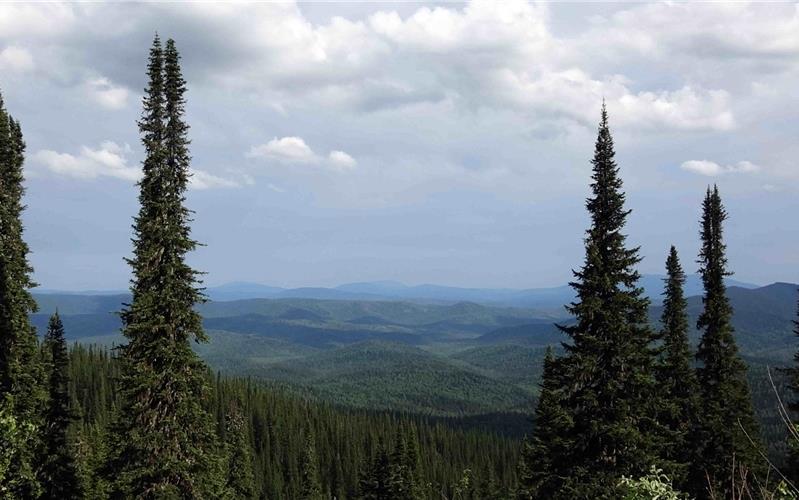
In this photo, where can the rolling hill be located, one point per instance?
(441, 359)
(390, 376)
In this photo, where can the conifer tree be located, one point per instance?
(58, 474)
(606, 372)
(240, 482)
(726, 414)
(488, 488)
(414, 463)
(539, 474)
(310, 487)
(400, 474)
(21, 375)
(677, 385)
(168, 446)
(375, 483)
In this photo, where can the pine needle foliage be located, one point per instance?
(169, 447)
(59, 476)
(21, 373)
(677, 384)
(727, 424)
(606, 374)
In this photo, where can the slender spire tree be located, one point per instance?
(607, 371)
(240, 482)
(539, 474)
(310, 487)
(727, 424)
(677, 385)
(59, 475)
(21, 375)
(401, 473)
(168, 445)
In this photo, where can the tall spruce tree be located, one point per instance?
(310, 487)
(240, 482)
(166, 437)
(607, 371)
(539, 473)
(726, 415)
(59, 476)
(677, 385)
(401, 470)
(21, 375)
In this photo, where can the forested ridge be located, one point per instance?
(275, 426)
(626, 408)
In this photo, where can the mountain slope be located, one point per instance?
(382, 375)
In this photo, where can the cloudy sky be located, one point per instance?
(446, 143)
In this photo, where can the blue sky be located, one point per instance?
(446, 143)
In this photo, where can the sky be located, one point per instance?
(444, 143)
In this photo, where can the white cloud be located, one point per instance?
(483, 55)
(16, 59)
(285, 149)
(294, 150)
(342, 160)
(202, 180)
(480, 84)
(109, 160)
(105, 93)
(575, 94)
(713, 169)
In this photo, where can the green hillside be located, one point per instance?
(381, 375)
(513, 364)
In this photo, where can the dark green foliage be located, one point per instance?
(310, 489)
(21, 376)
(375, 483)
(488, 488)
(677, 385)
(539, 468)
(58, 473)
(793, 406)
(606, 373)
(403, 480)
(345, 441)
(392, 376)
(168, 447)
(726, 413)
(239, 482)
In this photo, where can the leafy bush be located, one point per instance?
(654, 486)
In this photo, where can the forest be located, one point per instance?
(625, 407)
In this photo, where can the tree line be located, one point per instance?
(624, 401)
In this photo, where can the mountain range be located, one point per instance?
(541, 298)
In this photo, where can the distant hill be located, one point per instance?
(382, 375)
(535, 334)
(763, 319)
(541, 298)
(551, 299)
(436, 358)
(518, 365)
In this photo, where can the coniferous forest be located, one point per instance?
(626, 407)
